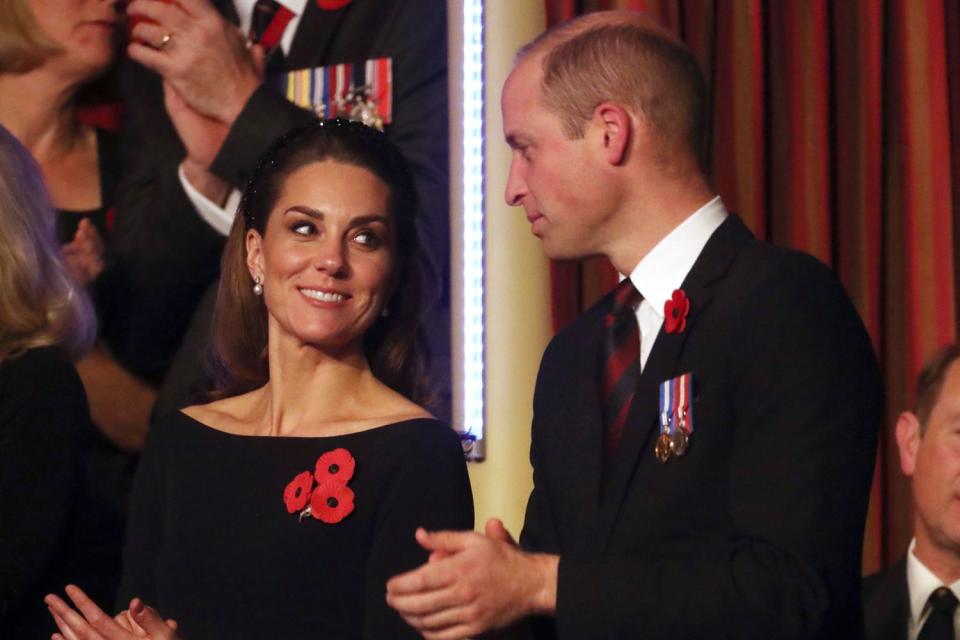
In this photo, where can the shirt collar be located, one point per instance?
(921, 582)
(666, 266)
(245, 10)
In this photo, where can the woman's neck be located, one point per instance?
(38, 108)
(315, 392)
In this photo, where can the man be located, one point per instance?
(917, 596)
(749, 523)
(202, 105)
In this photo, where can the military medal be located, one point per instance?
(676, 417)
(662, 448)
(362, 91)
(683, 414)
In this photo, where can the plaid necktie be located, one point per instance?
(621, 363)
(267, 23)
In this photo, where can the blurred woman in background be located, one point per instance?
(48, 521)
(51, 51)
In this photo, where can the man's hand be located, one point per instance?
(473, 583)
(84, 254)
(206, 58)
(202, 136)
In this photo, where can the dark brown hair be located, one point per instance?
(393, 345)
(930, 381)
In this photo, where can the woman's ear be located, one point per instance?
(254, 244)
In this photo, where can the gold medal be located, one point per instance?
(679, 441)
(662, 449)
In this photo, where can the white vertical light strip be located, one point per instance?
(473, 205)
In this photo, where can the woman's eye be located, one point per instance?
(368, 239)
(303, 228)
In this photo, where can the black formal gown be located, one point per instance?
(51, 519)
(212, 544)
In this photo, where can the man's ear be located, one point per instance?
(908, 441)
(616, 127)
(254, 253)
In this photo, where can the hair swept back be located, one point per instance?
(625, 58)
(394, 346)
(39, 303)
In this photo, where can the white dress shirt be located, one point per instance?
(921, 582)
(221, 218)
(666, 266)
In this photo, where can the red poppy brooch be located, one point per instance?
(675, 312)
(332, 5)
(323, 494)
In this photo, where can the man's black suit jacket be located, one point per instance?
(886, 603)
(166, 255)
(756, 532)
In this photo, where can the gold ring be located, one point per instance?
(167, 37)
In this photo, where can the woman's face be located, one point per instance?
(85, 29)
(326, 257)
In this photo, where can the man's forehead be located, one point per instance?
(521, 90)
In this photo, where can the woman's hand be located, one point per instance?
(139, 621)
(84, 254)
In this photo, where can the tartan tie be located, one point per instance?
(267, 23)
(621, 363)
(939, 624)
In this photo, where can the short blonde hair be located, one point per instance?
(626, 58)
(39, 303)
(23, 44)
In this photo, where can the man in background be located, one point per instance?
(916, 598)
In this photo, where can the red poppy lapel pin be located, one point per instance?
(332, 5)
(330, 500)
(675, 312)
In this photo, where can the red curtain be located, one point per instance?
(835, 130)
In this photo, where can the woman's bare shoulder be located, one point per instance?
(233, 414)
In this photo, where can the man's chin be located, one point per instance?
(563, 252)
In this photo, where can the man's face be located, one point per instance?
(933, 460)
(557, 180)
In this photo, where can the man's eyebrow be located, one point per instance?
(514, 141)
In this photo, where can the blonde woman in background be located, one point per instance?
(46, 514)
(51, 53)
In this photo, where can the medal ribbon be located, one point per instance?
(666, 407)
(683, 410)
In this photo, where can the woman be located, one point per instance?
(281, 509)
(50, 53)
(46, 518)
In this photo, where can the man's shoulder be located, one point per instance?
(886, 602)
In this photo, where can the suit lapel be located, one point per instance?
(583, 441)
(888, 614)
(642, 426)
(315, 35)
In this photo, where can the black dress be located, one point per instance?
(212, 544)
(50, 520)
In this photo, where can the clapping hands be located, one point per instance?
(84, 254)
(89, 622)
